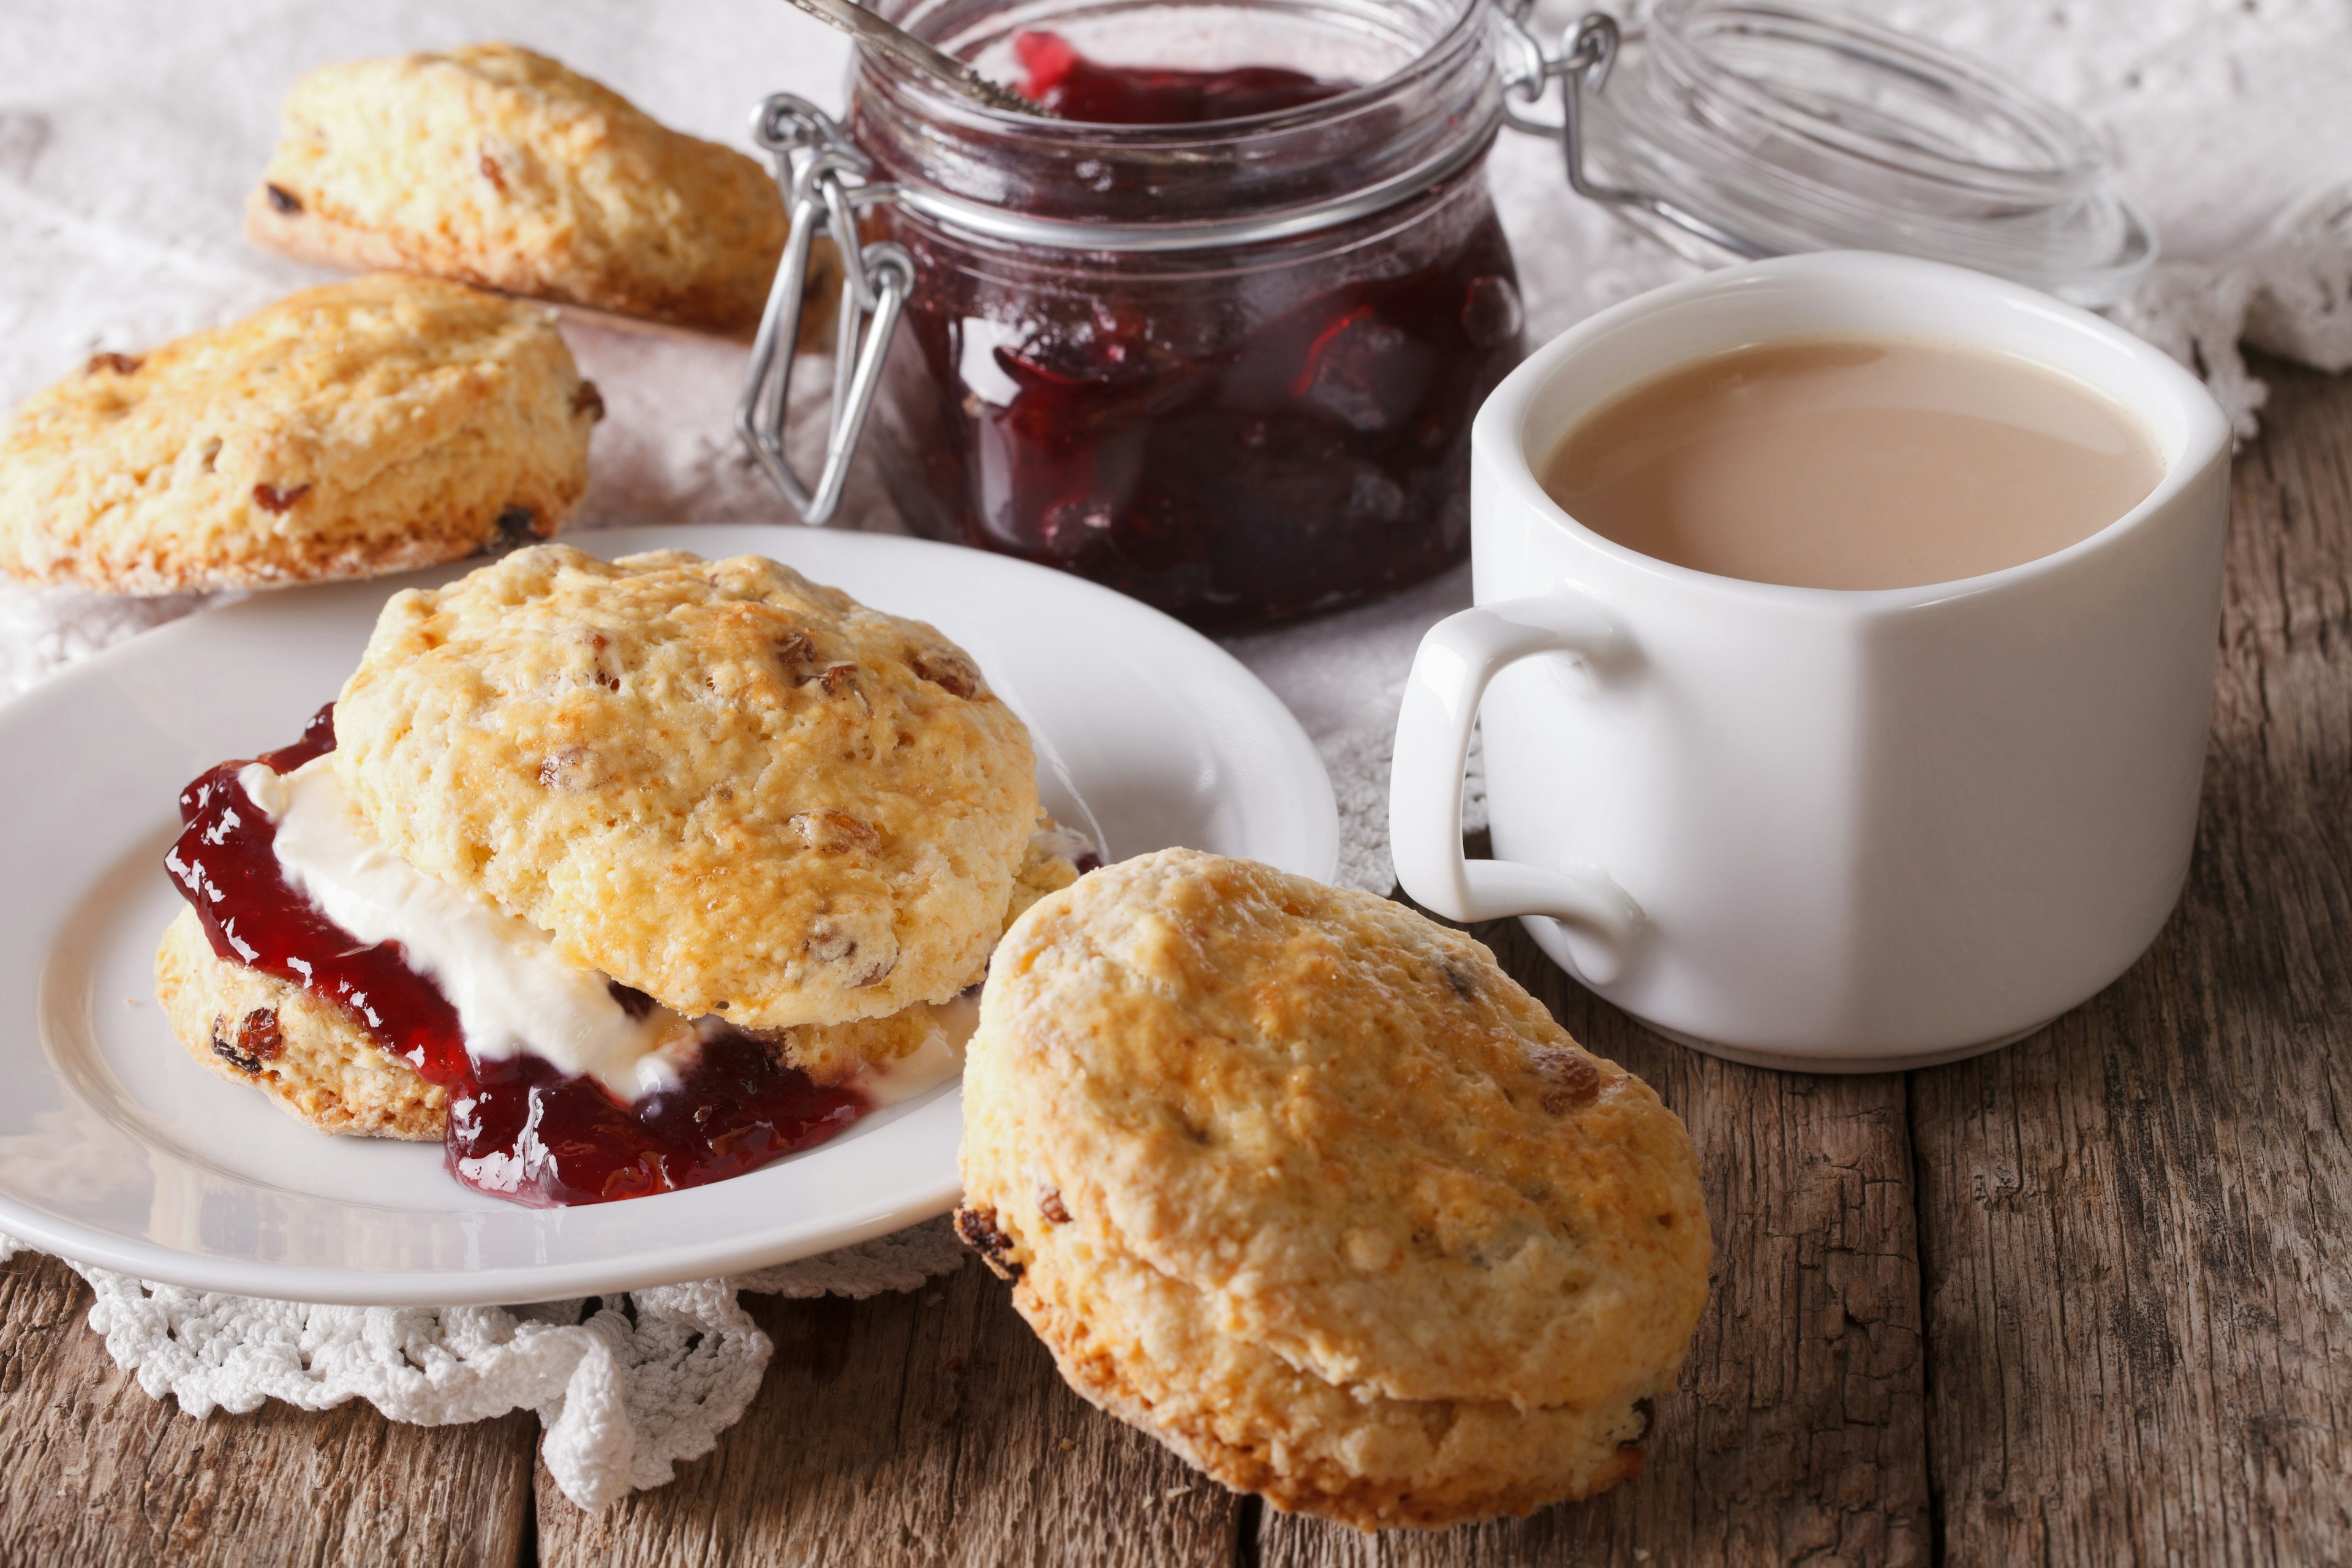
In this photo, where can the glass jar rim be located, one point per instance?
(1469, 21)
(1189, 187)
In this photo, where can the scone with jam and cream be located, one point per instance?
(637, 874)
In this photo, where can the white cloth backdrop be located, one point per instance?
(130, 129)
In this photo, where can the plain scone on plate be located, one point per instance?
(361, 428)
(1304, 1185)
(497, 166)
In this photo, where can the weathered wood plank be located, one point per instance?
(909, 1429)
(99, 1474)
(1799, 1436)
(2138, 1227)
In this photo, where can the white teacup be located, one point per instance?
(1811, 828)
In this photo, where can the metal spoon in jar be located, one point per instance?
(890, 38)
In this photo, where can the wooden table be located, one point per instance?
(2087, 1300)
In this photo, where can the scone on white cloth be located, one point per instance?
(353, 431)
(494, 165)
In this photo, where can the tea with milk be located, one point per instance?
(1853, 462)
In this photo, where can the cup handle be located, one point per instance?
(1456, 661)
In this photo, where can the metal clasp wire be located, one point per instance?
(825, 181)
(1587, 52)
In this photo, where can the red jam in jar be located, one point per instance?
(518, 1128)
(1237, 429)
(1075, 88)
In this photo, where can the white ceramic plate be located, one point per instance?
(118, 1149)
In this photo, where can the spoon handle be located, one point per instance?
(885, 37)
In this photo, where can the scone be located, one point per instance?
(317, 1061)
(1304, 1185)
(310, 1055)
(619, 877)
(714, 781)
(348, 431)
(499, 166)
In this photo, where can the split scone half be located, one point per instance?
(607, 815)
(1307, 1187)
(497, 166)
(354, 430)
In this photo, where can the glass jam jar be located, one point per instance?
(1228, 368)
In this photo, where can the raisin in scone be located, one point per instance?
(1305, 1185)
(499, 166)
(716, 782)
(353, 431)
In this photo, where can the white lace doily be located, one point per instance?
(129, 136)
(627, 1387)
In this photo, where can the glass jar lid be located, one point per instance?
(1758, 129)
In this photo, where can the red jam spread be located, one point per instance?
(518, 1128)
(1076, 88)
(1233, 441)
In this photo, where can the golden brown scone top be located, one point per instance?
(1373, 1154)
(729, 787)
(499, 166)
(365, 427)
